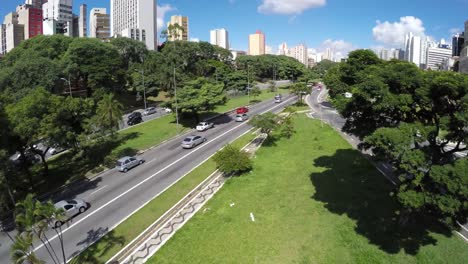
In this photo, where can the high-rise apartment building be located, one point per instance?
(99, 24)
(35, 3)
(58, 17)
(82, 24)
(219, 37)
(413, 49)
(283, 49)
(463, 61)
(300, 53)
(135, 19)
(182, 21)
(31, 18)
(437, 57)
(257, 43)
(11, 33)
(328, 55)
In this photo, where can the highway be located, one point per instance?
(114, 196)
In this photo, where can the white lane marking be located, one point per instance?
(98, 190)
(156, 173)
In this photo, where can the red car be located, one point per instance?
(242, 110)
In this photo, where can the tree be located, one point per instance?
(300, 89)
(255, 91)
(322, 67)
(287, 127)
(21, 251)
(266, 122)
(231, 160)
(108, 113)
(199, 95)
(416, 121)
(131, 51)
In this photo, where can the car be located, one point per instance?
(241, 117)
(56, 150)
(242, 110)
(29, 158)
(167, 110)
(71, 208)
(149, 111)
(192, 141)
(126, 163)
(202, 126)
(278, 98)
(134, 118)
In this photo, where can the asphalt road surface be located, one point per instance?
(114, 196)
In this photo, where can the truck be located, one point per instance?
(202, 126)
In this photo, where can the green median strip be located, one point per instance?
(128, 230)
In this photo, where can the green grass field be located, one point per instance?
(315, 200)
(115, 240)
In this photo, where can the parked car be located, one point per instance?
(241, 117)
(71, 208)
(202, 126)
(126, 163)
(167, 110)
(56, 149)
(29, 157)
(149, 111)
(242, 110)
(134, 118)
(192, 141)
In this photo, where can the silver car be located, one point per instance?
(126, 163)
(149, 111)
(70, 208)
(192, 141)
(241, 117)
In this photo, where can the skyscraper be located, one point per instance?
(257, 43)
(437, 57)
(219, 37)
(413, 50)
(300, 53)
(283, 49)
(182, 21)
(135, 19)
(99, 24)
(35, 3)
(58, 17)
(11, 33)
(31, 17)
(457, 44)
(82, 27)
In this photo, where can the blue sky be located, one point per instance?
(340, 24)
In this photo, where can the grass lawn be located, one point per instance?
(115, 240)
(315, 200)
(244, 100)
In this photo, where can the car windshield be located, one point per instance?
(187, 139)
(118, 163)
(71, 202)
(201, 124)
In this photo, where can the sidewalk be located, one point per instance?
(156, 235)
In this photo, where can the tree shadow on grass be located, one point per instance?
(94, 253)
(351, 185)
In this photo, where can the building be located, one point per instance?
(99, 24)
(35, 3)
(300, 53)
(237, 53)
(182, 21)
(438, 57)
(58, 17)
(328, 55)
(413, 49)
(82, 23)
(257, 43)
(463, 60)
(31, 17)
(219, 37)
(457, 44)
(11, 33)
(135, 19)
(311, 62)
(283, 49)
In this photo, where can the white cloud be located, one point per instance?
(161, 12)
(394, 33)
(288, 7)
(339, 48)
(455, 30)
(194, 39)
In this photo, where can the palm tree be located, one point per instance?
(21, 250)
(109, 113)
(51, 214)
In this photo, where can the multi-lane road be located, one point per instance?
(114, 196)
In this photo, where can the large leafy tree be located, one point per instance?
(108, 113)
(416, 121)
(232, 160)
(131, 51)
(300, 89)
(200, 95)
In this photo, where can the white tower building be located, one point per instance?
(219, 37)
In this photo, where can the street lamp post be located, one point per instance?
(248, 81)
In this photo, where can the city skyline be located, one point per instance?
(377, 25)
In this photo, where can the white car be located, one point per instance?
(202, 126)
(149, 111)
(70, 208)
(167, 110)
(241, 117)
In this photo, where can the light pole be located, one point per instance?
(142, 72)
(248, 81)
(175, 96)
(69, 84)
